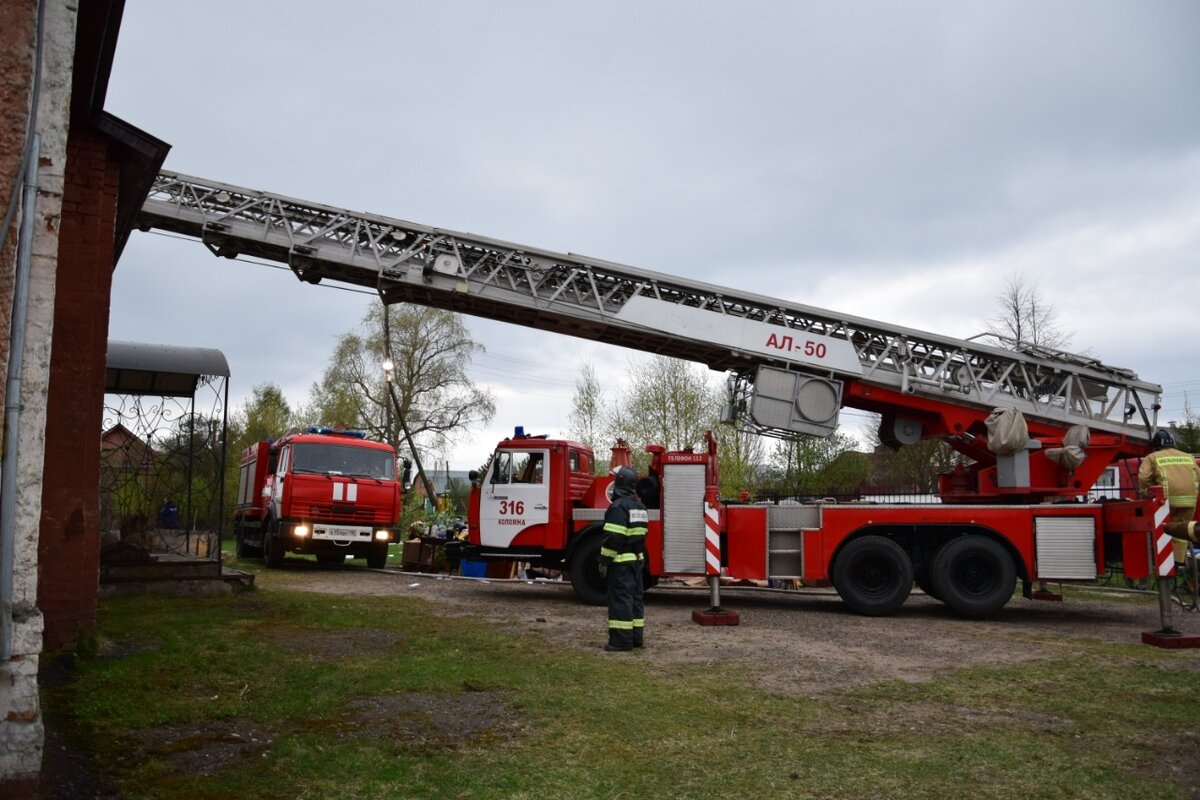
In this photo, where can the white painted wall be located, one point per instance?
(21, 730)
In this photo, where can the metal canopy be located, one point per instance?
(136, 368)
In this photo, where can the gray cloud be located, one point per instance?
(870, 156)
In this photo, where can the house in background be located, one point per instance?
(453, 487)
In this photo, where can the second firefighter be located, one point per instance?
(624, 553)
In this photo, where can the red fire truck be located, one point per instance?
(326, 491)
(1011, 514)
(539, 502)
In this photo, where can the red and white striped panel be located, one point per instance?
(712, 540)
(1164, 558)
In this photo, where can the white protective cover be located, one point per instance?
(1071, 454)
(1007, 431)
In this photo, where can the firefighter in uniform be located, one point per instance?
(1176, 472)
(624, 552)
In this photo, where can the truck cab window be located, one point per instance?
(502, 468)
(528, 468)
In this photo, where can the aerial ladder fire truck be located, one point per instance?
(1010, 515)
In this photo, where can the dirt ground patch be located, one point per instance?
(804, 644)
(203, 749)
(325, 643)
(417, 720)
(426, 721)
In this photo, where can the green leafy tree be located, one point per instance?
(808, 466)
(668, 402)
(912, 468)
(740, 460)
(457, 493)
(185, 467)
(264, 415)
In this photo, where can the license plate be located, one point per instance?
(342, 533)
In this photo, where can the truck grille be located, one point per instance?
(343, 513)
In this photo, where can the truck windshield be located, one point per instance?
(518, 467)
(334, 459)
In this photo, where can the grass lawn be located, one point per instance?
(275, 694)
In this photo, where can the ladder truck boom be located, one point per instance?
(794, 366)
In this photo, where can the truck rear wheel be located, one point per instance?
(589, 578)
(873, 575)
(973, 575)
(241, 548)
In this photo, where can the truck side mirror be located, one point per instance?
(407, 471)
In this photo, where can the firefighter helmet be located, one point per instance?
(1162, 439)
(624, 481)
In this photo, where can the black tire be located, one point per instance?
(241, 548)
(589, 578)
(973, 575)
(377, 556)
(873, 575)
(273, 546)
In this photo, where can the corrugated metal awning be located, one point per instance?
(157, 369)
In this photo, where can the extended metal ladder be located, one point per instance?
(758, 338)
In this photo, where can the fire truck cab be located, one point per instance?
(325, 491)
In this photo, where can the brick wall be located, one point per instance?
(69, 541)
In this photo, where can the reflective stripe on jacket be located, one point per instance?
(625, 531)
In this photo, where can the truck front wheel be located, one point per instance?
(377, 555)
(873, 575)
(273, 546)
(589, 578)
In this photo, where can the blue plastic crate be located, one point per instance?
(473, 569)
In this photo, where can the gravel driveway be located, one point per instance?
(804, 643)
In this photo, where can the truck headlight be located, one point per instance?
(300, 531)
(382, 535)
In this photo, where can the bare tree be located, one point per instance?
(1023, 317)
(587, 419)
(1187, 432)
(430, 400)
(668, 402)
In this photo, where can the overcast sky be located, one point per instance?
(897, 161)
